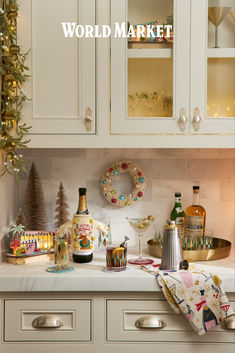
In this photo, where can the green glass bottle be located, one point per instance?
(178, 215)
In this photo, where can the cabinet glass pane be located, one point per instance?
(221, 87)
(221, 59)
(150, 61)
(221, 22)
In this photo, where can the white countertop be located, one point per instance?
(91, 277)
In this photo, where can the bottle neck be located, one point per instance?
(178, 202)
(82, 204)
(196, 199)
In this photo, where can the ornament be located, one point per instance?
(9, 79)
(117, 168)
(12, 14)
(14, 51)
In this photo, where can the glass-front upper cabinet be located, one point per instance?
(150, 58)
(213, 66)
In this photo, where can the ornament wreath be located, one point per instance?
(12, 71)
(138, 179)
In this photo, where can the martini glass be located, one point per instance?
(140, 226)
(216, 15)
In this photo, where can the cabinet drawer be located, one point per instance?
(123, 317)
(47, 320)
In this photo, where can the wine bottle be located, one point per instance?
(178, 215)
(82, 203)
(83, 252)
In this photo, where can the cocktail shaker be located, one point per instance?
(171, 248)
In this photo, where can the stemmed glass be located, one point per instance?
(140, 226)
(216, 15)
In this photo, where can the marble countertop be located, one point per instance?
(91, 277)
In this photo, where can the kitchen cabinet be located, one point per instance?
(101, 322)
(62, 83)
(184, 87)
(112, 93)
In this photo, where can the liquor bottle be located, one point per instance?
(82, 204)
(178, 215)
(195, 219)
(83, 246)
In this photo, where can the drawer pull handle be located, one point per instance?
(229, 324)
(149, 322)
(47, 321)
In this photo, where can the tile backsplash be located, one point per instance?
(167, 171)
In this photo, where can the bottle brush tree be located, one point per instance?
(62, 206)
(34, 206)
(20, 218)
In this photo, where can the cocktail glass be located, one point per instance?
(140, 226)
(216, 15)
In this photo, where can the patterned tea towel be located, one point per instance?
(198, 295)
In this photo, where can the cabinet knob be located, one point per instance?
(47, 321)
(229, 324)
(88, 119)
(196, 119)
(149, 322)
(182, 119)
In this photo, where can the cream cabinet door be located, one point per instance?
(62, 83)
(150, 78)
(212, 108)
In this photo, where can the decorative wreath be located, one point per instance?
(139, 180)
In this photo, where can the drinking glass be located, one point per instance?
(116, 258)
(140, 226)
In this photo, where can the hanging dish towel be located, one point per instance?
(198, 295)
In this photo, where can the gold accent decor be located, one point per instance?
(220, 249)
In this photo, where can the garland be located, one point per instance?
(12, 70)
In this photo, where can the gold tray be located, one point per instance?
(221, 249)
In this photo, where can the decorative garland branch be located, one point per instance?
(12, 71)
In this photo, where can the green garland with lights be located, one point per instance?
(12, 72)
